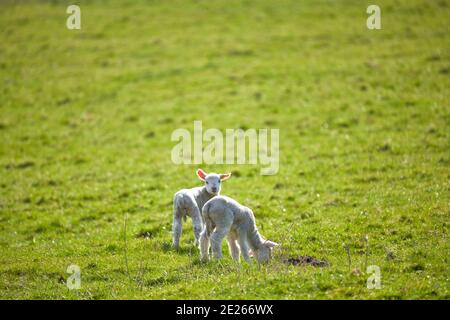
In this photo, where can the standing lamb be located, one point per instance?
(224, 216)
(190, 202)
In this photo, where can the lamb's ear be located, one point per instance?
(271, 244)
(201, 174)
(225, 176)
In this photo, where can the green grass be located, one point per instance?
(86, 119)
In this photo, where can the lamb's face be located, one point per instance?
(264, 254)
(212, 181)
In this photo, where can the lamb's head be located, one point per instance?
(212, 180)
(264, 253)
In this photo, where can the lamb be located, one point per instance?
(190, 202)
(224, 216)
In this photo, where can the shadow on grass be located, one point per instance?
(160, 281)
(189, 250)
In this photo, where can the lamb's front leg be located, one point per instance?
(234, 249)
(242, 240)
(197, 224)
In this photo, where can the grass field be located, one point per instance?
(87, 116)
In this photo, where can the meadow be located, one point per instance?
(86, 176)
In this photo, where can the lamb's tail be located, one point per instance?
(205, 209)
(209, 225)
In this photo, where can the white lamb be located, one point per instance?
(190, 202)
(224, 216)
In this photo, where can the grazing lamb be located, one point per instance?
(190, 202)
(224, 216)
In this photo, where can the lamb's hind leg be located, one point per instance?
(204, 245)
(177, 225)
(205, 235)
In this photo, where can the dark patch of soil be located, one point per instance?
(306, 261)
(146, 234)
